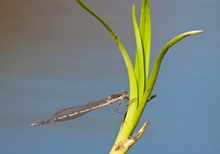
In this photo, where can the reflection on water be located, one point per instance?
(54, 55)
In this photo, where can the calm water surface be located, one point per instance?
(54, 55)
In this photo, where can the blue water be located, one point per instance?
(54, 55)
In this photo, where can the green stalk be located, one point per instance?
(128, 129)
(143, 42)
(140, 86)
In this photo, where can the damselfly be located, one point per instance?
(79, 110)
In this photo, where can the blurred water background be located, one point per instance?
(53, 55)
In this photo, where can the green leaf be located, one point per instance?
(130, 69)
(158, 62)
(145, 30)
(140, 68)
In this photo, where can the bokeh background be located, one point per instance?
(53, 55)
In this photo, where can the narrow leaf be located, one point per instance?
(145, 30)
(159, 59)
(140, 70)
(130, 69)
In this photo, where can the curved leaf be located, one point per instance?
(159, 59)
(130, 69)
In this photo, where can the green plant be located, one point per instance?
(141, 83)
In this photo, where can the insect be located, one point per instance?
(80, 110)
